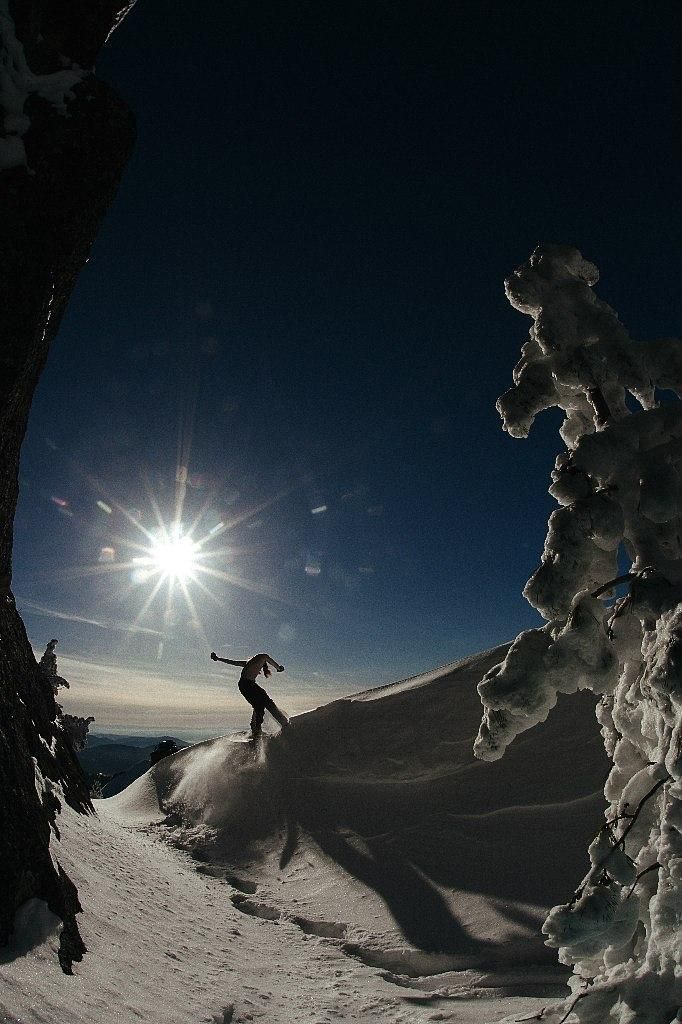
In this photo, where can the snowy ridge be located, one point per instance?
(371, 825)
(423, 678)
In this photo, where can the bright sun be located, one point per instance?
(174, 557)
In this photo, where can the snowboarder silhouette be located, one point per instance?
(259, 700)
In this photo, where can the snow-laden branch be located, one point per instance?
(619, 490)
(17, 83)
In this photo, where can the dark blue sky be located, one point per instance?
(303, 271)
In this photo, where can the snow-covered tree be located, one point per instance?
(619, 489)
(163, 749)
(75, 727)
(48, 667)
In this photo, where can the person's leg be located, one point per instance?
(255, 695)
(257, 720)
(276, 713)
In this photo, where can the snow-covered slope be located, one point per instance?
(365, 868)
(166, 946)
(371, 823)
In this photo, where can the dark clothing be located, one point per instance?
(260, 702)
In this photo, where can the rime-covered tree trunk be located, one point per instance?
(65, 137)
(619, 487)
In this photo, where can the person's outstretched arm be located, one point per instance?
(275, 665)
(227, 661)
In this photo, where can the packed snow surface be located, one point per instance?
(362, 866)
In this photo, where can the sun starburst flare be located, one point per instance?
(173, 561)
(175, 558)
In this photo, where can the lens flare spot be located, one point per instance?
(141, 575)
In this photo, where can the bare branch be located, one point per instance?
(640, 805)
(573, 1005)
(621, 841)
(652, 867)
(612, 583)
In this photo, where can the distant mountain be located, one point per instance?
(114, 765)
(117, 783)
(100, 738)
(109, 758)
